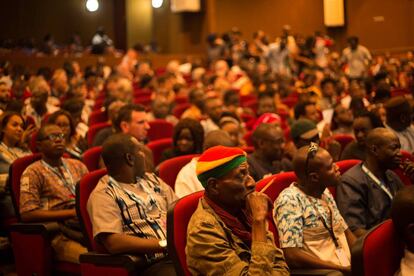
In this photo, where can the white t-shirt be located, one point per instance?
(187, 182)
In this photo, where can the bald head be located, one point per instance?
(314, 168)
(383, 148)
(217, 138)
(299, 161)
(379, 136)
(266, 131)
(402, 211)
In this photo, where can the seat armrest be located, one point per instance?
(319, 272)
(46, 229)
(129, 262)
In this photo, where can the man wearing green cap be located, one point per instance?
(227, 234)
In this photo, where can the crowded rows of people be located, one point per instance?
(247, 117)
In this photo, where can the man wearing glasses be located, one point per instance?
(47, 191)
(312, 232)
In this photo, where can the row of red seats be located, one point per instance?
(38, 235)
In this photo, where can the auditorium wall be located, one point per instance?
(382, 25)
(61, 18)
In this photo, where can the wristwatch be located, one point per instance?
(163, 245)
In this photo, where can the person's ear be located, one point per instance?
(130, 159)
(313, 177)
(124, 126)
(212, 186)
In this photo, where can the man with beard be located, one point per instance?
(367, 189)
(227, 233)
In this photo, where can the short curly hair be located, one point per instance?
(196, 129)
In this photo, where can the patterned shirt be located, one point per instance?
(48, 188)
(297, 218)
(138, 209)
(7, 157)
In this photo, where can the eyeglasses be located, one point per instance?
(54, 137)
(313, 149)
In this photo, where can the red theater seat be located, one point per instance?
(177, 220)
(91, 158)
(31, 241)
(160, 129)
(169, 169)
(97, 117)
(93, 130)
(158, 146)
(378, 253)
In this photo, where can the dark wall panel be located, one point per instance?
(61, 18)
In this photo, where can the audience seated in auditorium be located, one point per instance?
(342, 120)
(363, 123)
(37, 106)
(161, 109)
(399, 118)
(5, 96)
(142, 197)
(265, 104)
(328, 89)
(356, 100)
(187, 182)
(307, 110)
(196, 110)
(267, 158)
(47, 192)
(367, 189)
(402, 214)
(188, 138)
(112, 111)
(312, 232)
(58, 86)
(75, 144)
(230, 223)
(213, 107)
(74, 107)
(303, 132)
(230, 123)
(14, 144)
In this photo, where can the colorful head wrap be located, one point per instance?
(217, 162)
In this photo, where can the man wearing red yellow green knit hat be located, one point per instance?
(229, 225)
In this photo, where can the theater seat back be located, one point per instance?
(272, 186)
(170, 168)
(15, 173)
(83, 191)
(177, 221)
(378, 253)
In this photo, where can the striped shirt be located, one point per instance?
(138, 209)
